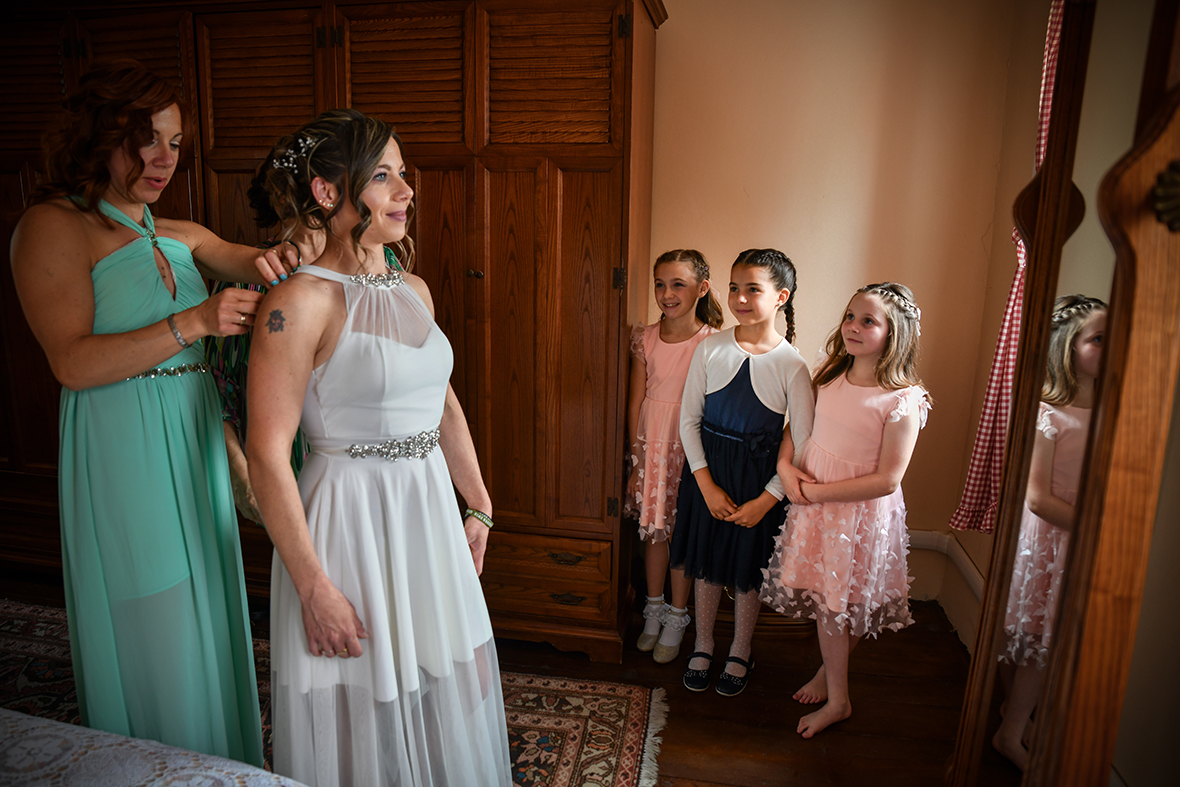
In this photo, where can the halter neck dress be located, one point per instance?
(159, 630)
(423, 705)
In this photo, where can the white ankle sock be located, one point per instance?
(674, 625)
(653, 614)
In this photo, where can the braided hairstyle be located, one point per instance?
(708, 309)
(342, 146)
(897, 366)
(1070, 314)
(782, 276)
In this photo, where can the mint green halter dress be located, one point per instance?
(155, 594)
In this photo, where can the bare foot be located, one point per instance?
(825, 717)
(815, 690)
(1012, 749)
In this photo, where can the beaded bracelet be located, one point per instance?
(480, 515)
(176, 331)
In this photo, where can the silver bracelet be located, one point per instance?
(176, 331)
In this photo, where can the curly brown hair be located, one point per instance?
(111, 109)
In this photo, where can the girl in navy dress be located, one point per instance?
(746, 387)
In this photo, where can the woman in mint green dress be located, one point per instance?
(153, 573)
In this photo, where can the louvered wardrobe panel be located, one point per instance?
(164, 43)
(262, 75)
(407, 67)
(260, 78)
(32, 85)
(550, 77)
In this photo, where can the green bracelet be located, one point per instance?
(480, 515)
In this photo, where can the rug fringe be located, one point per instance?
(657, 718)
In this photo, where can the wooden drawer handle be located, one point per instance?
(569, 599)
(566, 558)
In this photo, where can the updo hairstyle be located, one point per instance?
(342, 146)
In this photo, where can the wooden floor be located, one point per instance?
(906, 688)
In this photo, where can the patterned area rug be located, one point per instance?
(561, 732)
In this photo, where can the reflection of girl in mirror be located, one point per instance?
(1075, 350)
(661, 353)
(841, 556)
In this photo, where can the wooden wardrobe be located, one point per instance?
(527, 126)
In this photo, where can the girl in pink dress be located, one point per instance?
(841, 556)
(1063, 424)
(660, 357)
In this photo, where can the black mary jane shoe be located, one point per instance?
(731, 685)
(698, 679)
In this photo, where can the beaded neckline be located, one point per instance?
(389, 279)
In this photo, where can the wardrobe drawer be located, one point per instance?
(538, 597)
(541, 576)
(523, 554)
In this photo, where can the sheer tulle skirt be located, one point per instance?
(423, 705)
(651, 497)
(842, 564)
(1037, 571)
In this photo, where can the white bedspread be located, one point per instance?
(42, 753)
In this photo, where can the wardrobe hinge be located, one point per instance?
(73, 47)
(321, 37)
(612, 506)
(618, 278)
(338, 36)
(624, 25)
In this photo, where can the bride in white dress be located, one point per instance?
(383, 666)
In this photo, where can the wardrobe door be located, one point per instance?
(164, 43)
(262, 75)
(514, 254)
(580, 348)
(34, 71)
(443, 231)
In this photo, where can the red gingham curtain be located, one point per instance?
(981, 493)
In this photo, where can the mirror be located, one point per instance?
(864, 143)
(1079, 263)
(1106, 130)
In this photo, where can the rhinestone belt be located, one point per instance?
(172, 371)
(418, 446)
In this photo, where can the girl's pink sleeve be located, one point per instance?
(637, 343)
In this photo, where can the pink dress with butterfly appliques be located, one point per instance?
(651, 497)
(844, 564)
(1041, 549)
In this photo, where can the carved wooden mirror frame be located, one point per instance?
(1077, 726)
